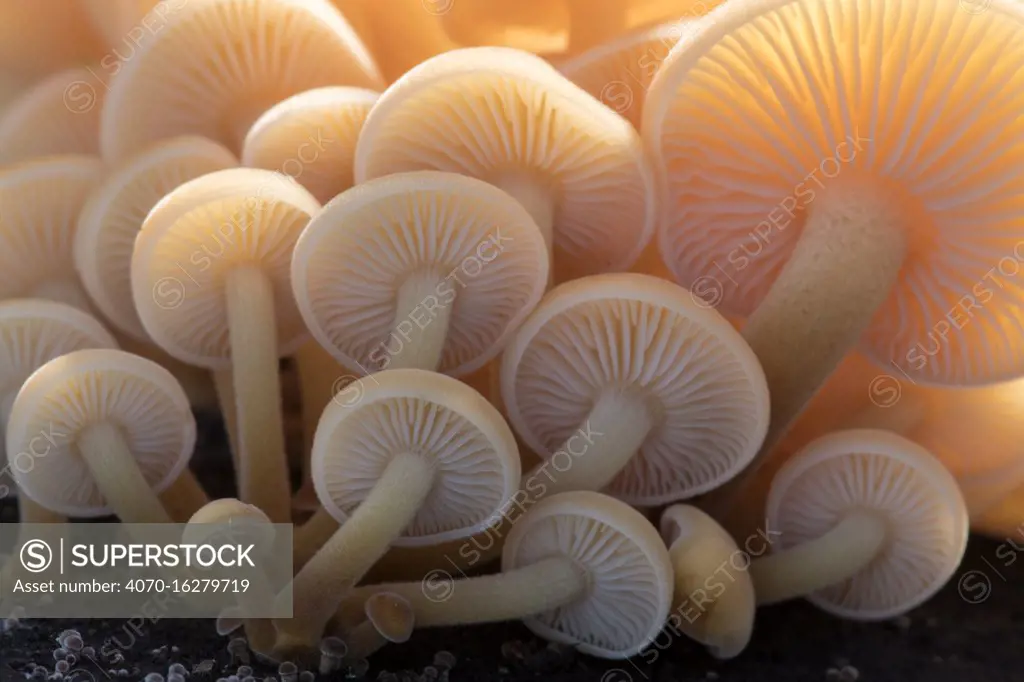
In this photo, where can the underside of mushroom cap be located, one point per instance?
(218, 64)
(777, 103)
(705, 389)
(629, 572)
(311, 137)
(58, 115)
(195, 237)
(39, 202)
(406, 411)
(114, 214)
(481, 245)
(506, 116)
(84, 387)
(885, 473)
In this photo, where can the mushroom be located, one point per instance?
(119, 431)
(407, 33)
(220, 64)
(420, 459)
(40, 201)
(311, 137)
(424, 270)
(868, 526)
(536, 26)
(701, 550)
(582, 568)
(907, 223)
(389, 620)
(657, 398)
(210, 280)
(509, 118)
(58, 115)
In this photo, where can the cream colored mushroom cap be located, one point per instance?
(76, 390)
(312, 137)
(352, 260)
(216, 65)
(229, 519)
(115, 211)
(408, 411)
(705, 387)
(629, 572)
(883, 472)
(493, 112)
(191, 241)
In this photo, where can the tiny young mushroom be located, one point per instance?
(581, 568)
(219, 64)
(105, 236)
(656, 396)
(716, 611)
(39, 202)
(312, 138)
(509, 118)
(231, 308)
(903, 217)
(122, 431)
(419, 459)
(424, 270)
(58, 115)
(390, 619)
(868, 526)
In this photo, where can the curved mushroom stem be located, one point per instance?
(257, 386)
(224, 386)
(842, 269)
(536, 198)
(319, 377)
(520, 593)
(594, 22)
(356, 546)
(184, 497)
(421, 306)
(118, 477)
(67, 291)
(835, 556)
(613, 432)
(311, 536)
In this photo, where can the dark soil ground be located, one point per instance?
(973, 631)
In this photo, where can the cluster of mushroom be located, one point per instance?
(491, 239)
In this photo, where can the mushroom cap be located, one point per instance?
(74, 391)
(114, 214)
(706, 390)
(229, 519)
(883, 472)
(218, 64)
(58, 115)
(409, 411)
(194, 237)
(750, 117)
(311, 137)
(619, 73)
(392, 615)
(628, 568)
(40, 201)
(495, 113)
(353, 258)
(700, 548)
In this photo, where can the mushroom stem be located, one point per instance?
(311, 536)
(363, 641)
(841, 270)
(257, 387)
(419, 307)
(522, 592)
(354, 548)
(118, 477)
(63, 291)
(536, 198)
(594, 22)
(319, 377)
(612, 433)
(835, 556)
(184, 497)
(224, 386)
(412, 36)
